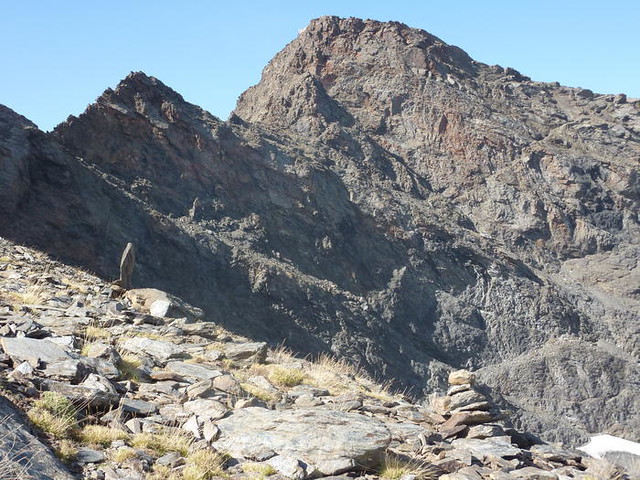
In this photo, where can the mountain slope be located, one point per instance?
(378, 195)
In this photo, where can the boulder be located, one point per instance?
(159, 351)
(161, 304)
(34, 351)
(255, 352)
(355, 442)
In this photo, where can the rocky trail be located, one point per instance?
(143, 387)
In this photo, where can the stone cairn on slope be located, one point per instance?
(465, 411)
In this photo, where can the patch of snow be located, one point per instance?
(599, 445)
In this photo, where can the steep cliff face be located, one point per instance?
(379, 195)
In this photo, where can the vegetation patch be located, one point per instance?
(66, 450)
(54, 414)
(204, 465)
(100, 435)
(394, 467)
(286, 376)
(128, 366)
(164, 442)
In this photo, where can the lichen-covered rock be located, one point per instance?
(355, 441)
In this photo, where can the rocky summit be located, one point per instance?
(379, 197)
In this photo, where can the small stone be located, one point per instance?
(138, 407)
(288, 466)
(465, 398)
(228, 384)
(498, 446)
(98, 382)
(485, 431)
(256, 352)
(33, 350)
(159, 351)
(533, 473)
(134, 425)
(206, 408)
(171, 458)
(467, 418)
(192, 426)
(191, 370)
(24, 368)
(210, 431)
(458, 388)
(88, 455)
(461, 377)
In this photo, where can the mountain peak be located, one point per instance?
(349, 60)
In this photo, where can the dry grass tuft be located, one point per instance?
(55, 414)
(259, 393)
(66, 451)
(129, 365)
(172, 440)
(32, 295)
(204, 465)
(394, 467)
(123, 454)
(100, 435)
(263, 469)
(286, 376)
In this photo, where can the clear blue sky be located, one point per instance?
(58, 56)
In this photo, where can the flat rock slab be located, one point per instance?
(158, 350)
(330, 441)
(32, 350)
(497, 446)
(191, 370)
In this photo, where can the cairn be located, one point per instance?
(464, 411)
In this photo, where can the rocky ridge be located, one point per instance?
(157, 396)
(380, 196)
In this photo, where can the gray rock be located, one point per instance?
(485, 431)
(138, 407)
(533, 473)
(289, 467)
(255, 352)
(89, 455)
(497, 446)
(24, 368)
(210, 430)
(465, 398)
(102, 366)
(191, 370)
(206, 408)
(159, 351)
(33, 351)
(98, 382)
(82, 395)
(192, 426)
(356, 441)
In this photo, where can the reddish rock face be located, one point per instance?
(379, 195)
